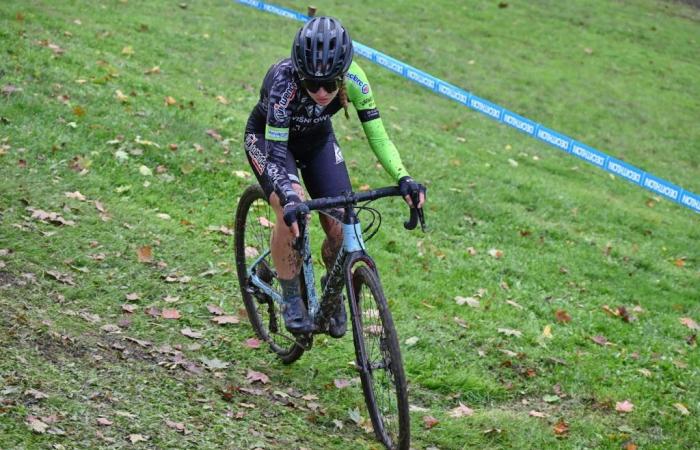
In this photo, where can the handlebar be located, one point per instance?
(352, 198)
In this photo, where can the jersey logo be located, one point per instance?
(338, 156)
(280, 108)
(364, 87)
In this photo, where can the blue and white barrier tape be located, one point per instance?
(561, 141)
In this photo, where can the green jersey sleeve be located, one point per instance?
(360, 94)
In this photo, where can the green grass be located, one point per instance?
(573, 238)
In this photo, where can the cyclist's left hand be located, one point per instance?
(410, 190)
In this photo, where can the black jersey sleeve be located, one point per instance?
(282, 89)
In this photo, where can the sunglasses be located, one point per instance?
(328, 85)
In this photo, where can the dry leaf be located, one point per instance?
(562, 316)
(514, 304)
(119, 95)
(129, 309)
(102, 421)
(471, 251)
(471, 301)
(510, 332)
(496, 253)
(254, 376)
(145, 254)
(134, 438)
(223, 320)
(624, 407)
(221, 99)
(178, 426)
(191, 334)
(170, 101)
(36, 425)
(561, 428)
(341, 383)
(690, 323)
(215, 310)
(61, 277)
(600, 340)
(534, 413)
(265, 223)
(547, 332)
(171, 314)
(461, 411)
(430, 422)
(75, 195)
(681, 408)
(252, 343)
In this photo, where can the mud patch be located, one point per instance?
(7, 280)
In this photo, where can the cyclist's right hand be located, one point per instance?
(292, 211)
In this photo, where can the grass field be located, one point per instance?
(121, 163)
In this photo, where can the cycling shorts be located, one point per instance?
(319, 159)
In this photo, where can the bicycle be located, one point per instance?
(378, 356)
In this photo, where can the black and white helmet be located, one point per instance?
(322, 49)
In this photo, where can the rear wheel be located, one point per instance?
(379, 361)
(253, 230)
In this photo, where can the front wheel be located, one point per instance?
(379, 360)
(253, 229)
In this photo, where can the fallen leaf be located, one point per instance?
(221, 99)
(624, 407)
(214, 134)
(265, 223)
(495, 253)
(36, 425)
(561, 428)
(562, 316)
(129, 309)
(645, 372)
(341, 383)
(171, 314)
(178, 426)
(134, 438)
(152, 71)
(534, 413)
(600, 340)
(461, 411)
(119, 95)
(214, 364)
(430, 422)
(191, 334)
(102, 421)
(134, 296)
(471, 301)
(510, 332)
(223, 320)
(252, 343)
(682, 409)
(75, 195)
(215, 310)
(61, 277)
(145, 254)
(128, 50)
(471, 251)
(514, 304)
(547, 332)
(38, 395)
(690, 323)
(170, 101)
(461, 322)
(413, 340)
(254, 376)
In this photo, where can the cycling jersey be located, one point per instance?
(286, 115)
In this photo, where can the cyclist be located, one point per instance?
(290, 129)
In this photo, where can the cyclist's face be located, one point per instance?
(322, 97)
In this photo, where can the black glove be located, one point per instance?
(292, 210)
(408, 186)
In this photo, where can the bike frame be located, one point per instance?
(352, 251)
